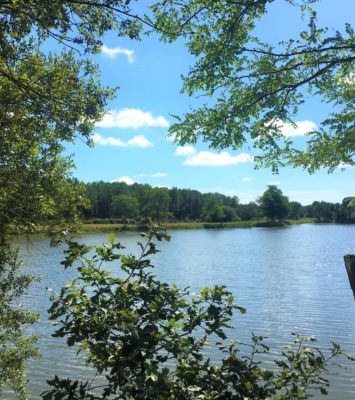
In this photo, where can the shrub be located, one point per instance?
(147, 339)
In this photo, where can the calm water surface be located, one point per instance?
(290, 280)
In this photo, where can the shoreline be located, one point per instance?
(107, 227)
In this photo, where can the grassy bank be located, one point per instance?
(105, 227)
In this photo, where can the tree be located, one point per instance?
(156, 204)
(125, 206)
(274, 204)
(229, 214)
(323, 211)
(296, 210)
(212, 209)
(255, 88)
(248, 211)
(47, 100)
(15, 348)
(34, 177)
(346, 211)
(186, 203)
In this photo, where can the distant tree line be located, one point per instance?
(119, 202)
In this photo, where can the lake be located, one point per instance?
(289, 279)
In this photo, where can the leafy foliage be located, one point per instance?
(254, 87)
(156, 204)
(215, 211)
(47, 100)
(118, 202)
(274, 204)
(117, 199)
(148, 339)
(15, 349)
(125, 206)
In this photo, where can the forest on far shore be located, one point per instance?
(118, 202)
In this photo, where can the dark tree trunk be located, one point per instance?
(350, 269)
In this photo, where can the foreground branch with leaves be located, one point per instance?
(253, 87)
(15, 347)
(148, 339)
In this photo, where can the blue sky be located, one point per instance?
(131, 143)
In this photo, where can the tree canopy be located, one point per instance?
(117, 202)
(48, 98)
(253, 88)
(274, 204)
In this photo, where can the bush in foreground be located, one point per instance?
(147, 339)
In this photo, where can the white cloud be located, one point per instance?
(131, 118)
(300, 128)
(206, 158)
(247, 179)
(113, 52)
(185, 151)
(136, 141)
(139, 141)
(124, 179)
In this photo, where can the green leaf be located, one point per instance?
(111, 238)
